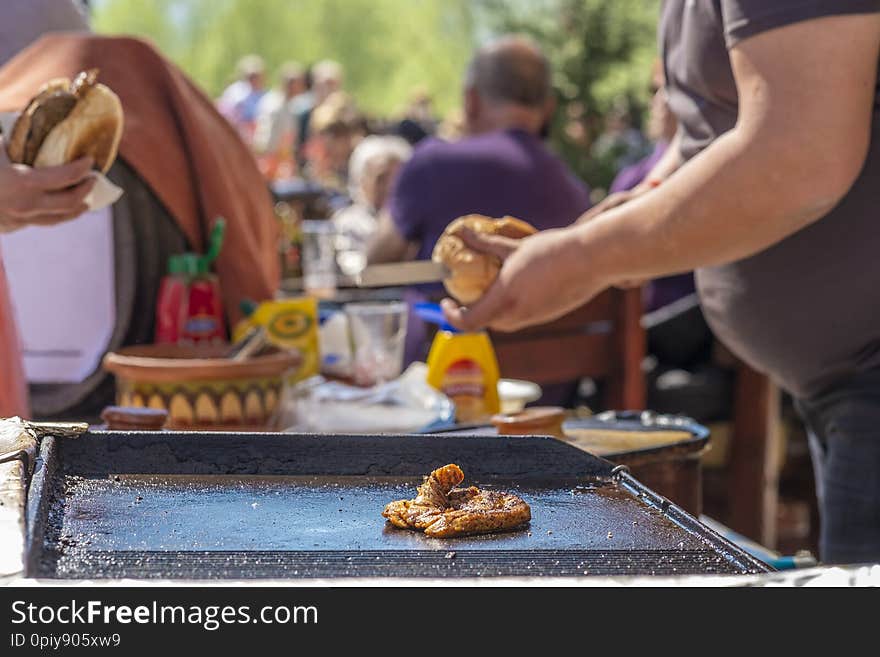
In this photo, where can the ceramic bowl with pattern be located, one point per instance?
(200, 389)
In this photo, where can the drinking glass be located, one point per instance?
(378, 333)
(319, 258)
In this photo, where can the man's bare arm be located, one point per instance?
(806, 99)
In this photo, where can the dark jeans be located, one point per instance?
(844, 432)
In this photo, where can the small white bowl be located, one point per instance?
(514, 394)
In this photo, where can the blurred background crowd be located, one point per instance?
(305, 89)
(395, 68)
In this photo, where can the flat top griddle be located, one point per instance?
(209, 506)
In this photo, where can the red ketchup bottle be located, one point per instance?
(190, 308)
(172, 303)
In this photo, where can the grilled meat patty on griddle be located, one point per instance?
(443, 511)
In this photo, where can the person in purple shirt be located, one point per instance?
(501, 167)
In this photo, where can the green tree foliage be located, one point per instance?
(602, 52)
(387, 47)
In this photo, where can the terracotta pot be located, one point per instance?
(200, 389)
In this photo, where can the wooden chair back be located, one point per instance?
(603, 340)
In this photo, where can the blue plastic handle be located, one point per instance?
(433, 314)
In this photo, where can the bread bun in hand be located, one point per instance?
(50, 106)
(66, 121)
(472, 272)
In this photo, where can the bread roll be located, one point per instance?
(93, 128)
(27, 137)
(471, 272)
(68, 120)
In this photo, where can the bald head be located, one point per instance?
(508, 85)
(511, 69)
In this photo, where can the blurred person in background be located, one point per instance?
(452, 127)
(421, 109)
(277, 130)
(179, 166)
(418, 119)
(501, 166)
(240, 100)
(410, 131)
(576, 125)
(326, 79)
(621, 142)
(372, 169)
(336, 128)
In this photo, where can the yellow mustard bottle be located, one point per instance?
(463, 366)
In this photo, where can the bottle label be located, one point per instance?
(201, 326)
(464, 384)
(204, 320)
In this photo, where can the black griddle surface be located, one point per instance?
(247, 526)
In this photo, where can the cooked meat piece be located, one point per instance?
(432, 498)
(408, 515)
(444, 512)
(475, 511)
(51, 112)
(438, 484)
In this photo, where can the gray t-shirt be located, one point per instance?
(806, 310)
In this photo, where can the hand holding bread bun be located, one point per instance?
(472, 272)
(66, 121)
